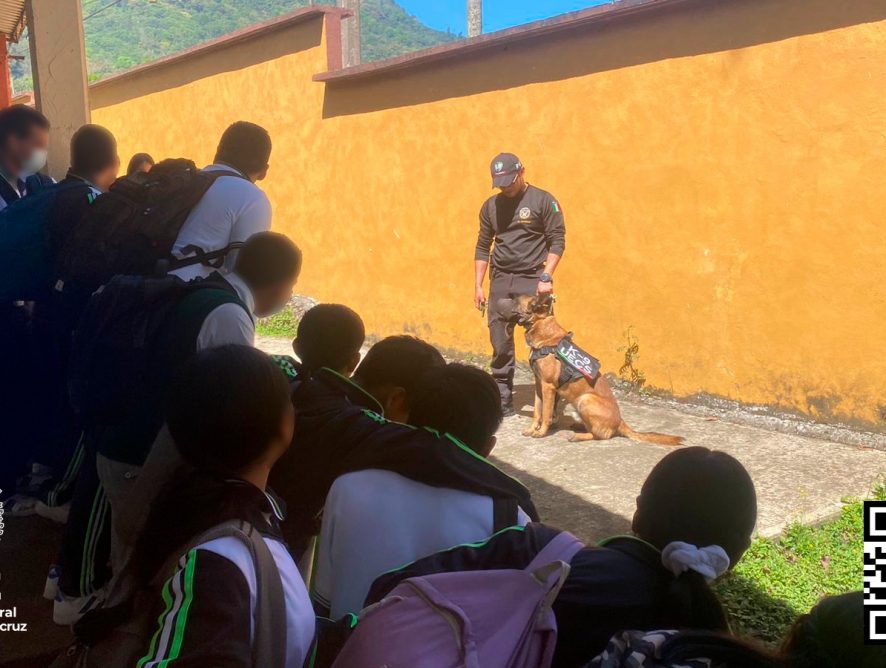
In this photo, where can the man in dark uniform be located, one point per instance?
(526, 224)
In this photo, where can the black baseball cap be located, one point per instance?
(505, 167)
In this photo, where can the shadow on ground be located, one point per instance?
(555, 505)
(752, 612)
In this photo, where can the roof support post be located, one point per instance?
(58, 63)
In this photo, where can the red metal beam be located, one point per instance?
(5, 80)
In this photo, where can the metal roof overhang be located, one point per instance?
(12, 18)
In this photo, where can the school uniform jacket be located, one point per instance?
(339, 429)
(620, 584)
(206, 615)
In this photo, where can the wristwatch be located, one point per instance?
(546, 278)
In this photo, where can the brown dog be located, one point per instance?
(594, 401)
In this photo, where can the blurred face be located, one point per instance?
(259, 176)
(27, 154)
(105, 178)
(516, 187)
(269, 300)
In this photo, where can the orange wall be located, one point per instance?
(721, 169)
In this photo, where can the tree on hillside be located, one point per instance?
(138, 31)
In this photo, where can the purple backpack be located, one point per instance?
(468, 619)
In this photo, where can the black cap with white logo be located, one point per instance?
(505, 167)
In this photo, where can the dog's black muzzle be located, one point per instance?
(506, 307)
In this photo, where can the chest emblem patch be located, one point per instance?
(525, 213)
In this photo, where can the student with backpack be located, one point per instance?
(94, 165)
(343, 428)
(36, 228)
(216, 585)
(133, 336)
(694, 519)
(375, 520)
(233, 208)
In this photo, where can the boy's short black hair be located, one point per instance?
(328, 336)
(93, 149)
(461, 400)
(400, 361)
(268, 258)
(225, 407)
(244, 146)
(19, 120)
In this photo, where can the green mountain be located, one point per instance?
(131, 32)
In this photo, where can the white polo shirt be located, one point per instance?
(233, 209)
(229, 323)
(375, 521)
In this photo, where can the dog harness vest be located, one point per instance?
(575, 362)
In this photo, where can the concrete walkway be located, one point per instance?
(590, 488)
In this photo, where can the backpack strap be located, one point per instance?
(269, 641)
(196, 255)
(562, 547)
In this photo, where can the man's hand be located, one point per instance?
(479, 298)
(544, 288)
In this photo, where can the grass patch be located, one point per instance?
(283, 324)
(779, 579)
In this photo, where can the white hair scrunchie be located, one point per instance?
(711, 561)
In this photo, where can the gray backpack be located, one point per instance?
(104, 641)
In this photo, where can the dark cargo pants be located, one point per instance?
(501, 332)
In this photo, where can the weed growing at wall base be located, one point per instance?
(283, 324)
(628, 370)
(781, 578)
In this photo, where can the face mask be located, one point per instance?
(36, 161)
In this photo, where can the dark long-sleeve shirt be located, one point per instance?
(338, 433)
(524, 228)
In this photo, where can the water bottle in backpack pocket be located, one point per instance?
(470, 619)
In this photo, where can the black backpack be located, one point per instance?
(132, 228)
(113, 350)
(25, 241)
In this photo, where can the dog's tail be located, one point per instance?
(647, 436)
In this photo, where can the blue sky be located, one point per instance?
(497, 14)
